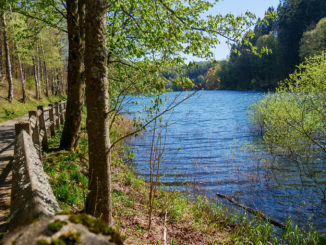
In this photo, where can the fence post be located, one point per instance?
(36, 133)
(43, 127)
(57, 121)
(22, 125)
(51, 117)
(61, 112)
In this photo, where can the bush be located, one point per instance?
(293, 119)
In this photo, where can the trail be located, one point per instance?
(7, 143)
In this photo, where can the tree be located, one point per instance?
(22, 79)
(314, 41)
(294, 18)
(75, 101)
(99, 201)
(293, 120)
(144, 38)
(7, 55)
(212, 80)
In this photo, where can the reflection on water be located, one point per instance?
(205, 145)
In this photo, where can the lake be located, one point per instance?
(210, 146)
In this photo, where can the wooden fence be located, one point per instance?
(42, 123)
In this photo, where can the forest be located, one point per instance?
(298, 31)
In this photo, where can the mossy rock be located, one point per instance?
(96, 226)
(64, 230)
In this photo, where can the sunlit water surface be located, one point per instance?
(204, 152)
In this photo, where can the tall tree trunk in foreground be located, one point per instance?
(22, 79)
(8, 62)
(75, 101)
(99, 202)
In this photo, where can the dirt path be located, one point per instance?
(7, 141)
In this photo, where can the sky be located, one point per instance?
(237, 7)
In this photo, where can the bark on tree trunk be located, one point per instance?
(21, 76)
(45, 72)
(75, 80)
(99, 201)
(2, 72)
(53, 83)
(58, 83)
(62, 84)
(37, 89)
(8, 62)
(38, 71)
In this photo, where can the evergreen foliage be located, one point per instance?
(283, 42)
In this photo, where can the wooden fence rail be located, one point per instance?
(40, 126)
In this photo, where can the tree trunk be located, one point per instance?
(21, 76)
(53, 82)
(75, 80)
(37, 89)
(99, 201)
(8, 62)
(62, 84)
(45, 72)
(38, 71)
(1, 54)
(57, 89)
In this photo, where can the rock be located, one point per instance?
(64, 229)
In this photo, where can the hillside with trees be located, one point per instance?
(297, 32)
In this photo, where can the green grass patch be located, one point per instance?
(68, 175)
(17, 109)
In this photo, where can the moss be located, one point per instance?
(56, 225)
(81, 219)
(96, 226)
(57, 242)
(69, 238)
(42, 242)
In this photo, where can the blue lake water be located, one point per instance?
(204, 152)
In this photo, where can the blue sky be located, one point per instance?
(238, 7)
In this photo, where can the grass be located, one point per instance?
(68, 176)
(17, 108)
(187, 221)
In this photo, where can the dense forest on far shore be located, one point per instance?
(299, 31)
